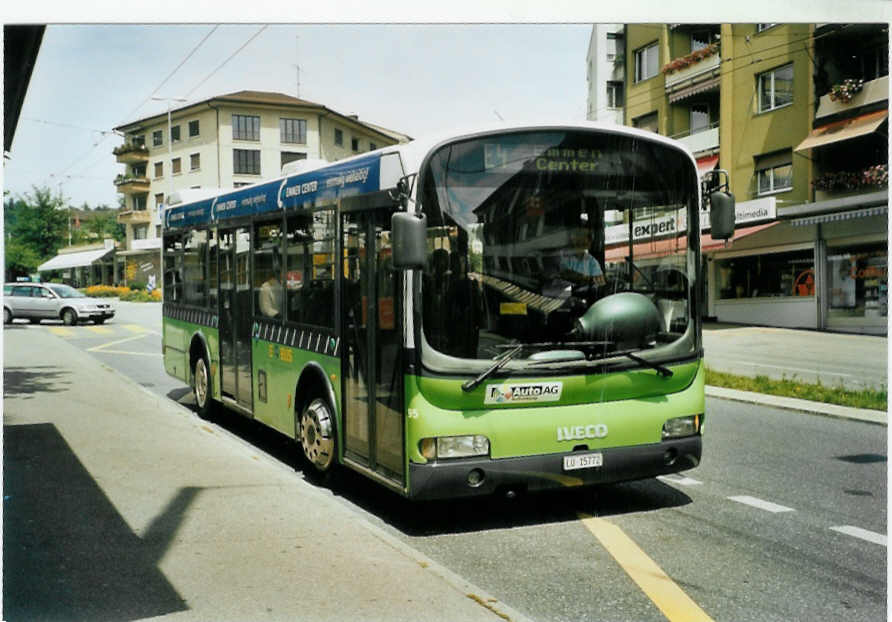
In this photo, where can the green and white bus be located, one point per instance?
(501, 310)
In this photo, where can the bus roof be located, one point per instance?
(361, 174)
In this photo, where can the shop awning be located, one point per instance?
(840, 216)
(706, 164)
(74, 260)
(844, 130)
(670, 246)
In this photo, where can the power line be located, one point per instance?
(233, 55)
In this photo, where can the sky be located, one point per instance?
(444, 66)
(414, 79)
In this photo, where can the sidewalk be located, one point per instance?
(850, 359)
(119, 504)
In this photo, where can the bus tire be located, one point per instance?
(316, 436)
(202, 387)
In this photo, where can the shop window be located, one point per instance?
(767, 275)
(858, 280)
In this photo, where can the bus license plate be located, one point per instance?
(583, 461)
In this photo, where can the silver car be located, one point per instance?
(52, 301)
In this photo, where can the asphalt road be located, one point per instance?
(784, 520)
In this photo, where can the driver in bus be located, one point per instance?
(577, 264)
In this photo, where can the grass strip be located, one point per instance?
(874, 399)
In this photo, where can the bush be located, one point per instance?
(142, 296)
(106, 291)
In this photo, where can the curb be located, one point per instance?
(878, 417)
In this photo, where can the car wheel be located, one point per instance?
(69, 318)
(316, 435)
(201, 387)
(7, 316)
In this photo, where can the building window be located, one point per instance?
(175, 134)
(139, 202)
(159, 199)
(339, 138)
(354, 144)
(614, 43)
(159, 170)
(774, 173)
(699, 117)
(194, 161)
(700, 39)
(193, 129)
(293, 131)
(615, 94)
(292, 156)
(140, 232)
(647, 61)
(767, 275)
(138, 140)
(776, 88)
(246, 162)
(245, 127)
(372, 146)
(763, 27)
(647, 122)
(176, 166)
(157, 138)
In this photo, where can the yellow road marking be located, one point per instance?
(62, 331)
(656, 584)
(136, 328)
(100, 330)
(103, 346)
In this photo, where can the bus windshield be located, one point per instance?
(559, 241)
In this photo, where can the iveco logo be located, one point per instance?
(580, 432)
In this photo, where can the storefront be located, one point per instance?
(82, 266)
(820, 266)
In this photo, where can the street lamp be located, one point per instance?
(169, 143)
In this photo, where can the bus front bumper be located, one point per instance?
(462, 477)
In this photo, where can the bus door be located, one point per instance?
(372, 336)
(235, 316)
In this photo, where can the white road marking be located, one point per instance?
(863, 534)
(817, 372)
(681, 480)
(761, 504)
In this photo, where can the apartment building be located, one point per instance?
(224, 142)
(797, 115)
(605, 77)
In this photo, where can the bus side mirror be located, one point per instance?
(409, 235)
(721, 215)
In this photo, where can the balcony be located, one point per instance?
(130, 153)
(843, 184)
(872, 92)
(128, 184)
(695, 73)
(135, 217)
(701, 141)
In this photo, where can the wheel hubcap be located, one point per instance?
(201, 383)
(316, 435)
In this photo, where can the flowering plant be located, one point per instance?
(845, 91)
(694, 57)
(844, 181)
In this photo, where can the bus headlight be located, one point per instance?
(681, 426)
(454, 447)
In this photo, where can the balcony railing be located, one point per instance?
(871, 92)
(693, 68)
(135, 217)
(701, 140)
(131, 153)
(128, 184)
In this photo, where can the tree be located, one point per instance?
(35, 227)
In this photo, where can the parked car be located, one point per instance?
(52, 301)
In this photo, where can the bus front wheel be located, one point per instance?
(201, 387)
(316, 435)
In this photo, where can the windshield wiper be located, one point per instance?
(470, 385)
(664, 371)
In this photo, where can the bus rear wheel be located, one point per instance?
(316, 435)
